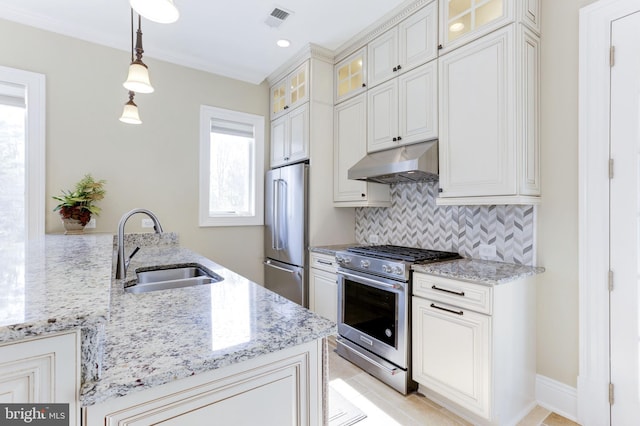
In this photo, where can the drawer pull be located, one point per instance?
(457, 293)
(325, 262)
(433, 305)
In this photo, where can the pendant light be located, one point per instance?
(161, 11)
(138, 78)
(130, 112)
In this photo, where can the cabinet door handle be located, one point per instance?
(457, 293)
(395, 139)
(433, 305)
(364, 85)
(286, 107)
(399, 138)
(395, 69)
(399, 67)
(325, 262)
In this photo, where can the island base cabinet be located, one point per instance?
(42, 370)
(283, 388)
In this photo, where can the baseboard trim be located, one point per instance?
(557, 397)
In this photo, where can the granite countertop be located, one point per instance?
(153, 338)
(54, 284)
(332, 249)
(479, 271)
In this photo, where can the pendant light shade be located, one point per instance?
(130, 112)
(161, 11)
(138, 78)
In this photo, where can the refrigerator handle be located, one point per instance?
(283, 228)
(275, 234)
(267, 263)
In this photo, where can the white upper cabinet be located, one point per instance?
(351, 76)
(404, 110)
(290, 137)
(406, 46)
(349, 146)
(291, 91)
(462, 21)
(489, 148)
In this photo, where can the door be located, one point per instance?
(451, 348)
(418, 104)
(323, 293)
(350, 145)
(625, 221)
(382, 123)
(279, 141)
(477, 118)
(286, 214)
(286, 280)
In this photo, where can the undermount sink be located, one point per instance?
(169, 277)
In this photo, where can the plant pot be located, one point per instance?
(72, 226)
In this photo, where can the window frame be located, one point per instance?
(34, 92)
(258, 122)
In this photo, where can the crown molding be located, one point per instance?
(311, 50)
(361, 39)
(377, 28)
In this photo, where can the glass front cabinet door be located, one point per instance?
(466, 20)
(291, 91)
(462, 21)
(351, 75)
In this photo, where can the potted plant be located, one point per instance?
(77, 206)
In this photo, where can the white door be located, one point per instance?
(625, 221)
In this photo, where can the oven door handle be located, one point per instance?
(370, 282)
(391, 371)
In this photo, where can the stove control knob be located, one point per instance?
(386, 268)
(364, 264)
(397, 270)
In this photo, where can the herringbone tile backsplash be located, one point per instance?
(415, 220)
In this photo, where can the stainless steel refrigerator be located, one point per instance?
(285, 237)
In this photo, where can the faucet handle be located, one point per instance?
(133, 253)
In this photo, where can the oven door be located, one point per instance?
(373, 312)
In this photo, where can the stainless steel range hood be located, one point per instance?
(410, 163)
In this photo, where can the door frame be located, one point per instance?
(593, 235)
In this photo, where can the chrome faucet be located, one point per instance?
(122, 265)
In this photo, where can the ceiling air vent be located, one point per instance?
(277, 17)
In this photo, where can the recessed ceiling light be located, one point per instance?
(283, 43)
(458, 26)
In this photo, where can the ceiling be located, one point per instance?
(223, 37)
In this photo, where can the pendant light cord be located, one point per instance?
(131, 34)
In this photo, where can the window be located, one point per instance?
(22, 201)
(231, 168)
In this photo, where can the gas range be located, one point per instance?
(374, 309)
(389, 261)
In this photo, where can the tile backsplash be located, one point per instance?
(415, 220)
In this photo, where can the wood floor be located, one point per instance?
(385, 406)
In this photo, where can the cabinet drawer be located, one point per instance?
(324, 262)
(475, 297)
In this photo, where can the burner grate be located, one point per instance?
(408, 254)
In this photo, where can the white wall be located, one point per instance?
(557, 296)
(153, 165)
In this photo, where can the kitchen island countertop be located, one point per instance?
(153, 338)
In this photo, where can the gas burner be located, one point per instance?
(407, 254)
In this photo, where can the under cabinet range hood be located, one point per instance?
(405, 164)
